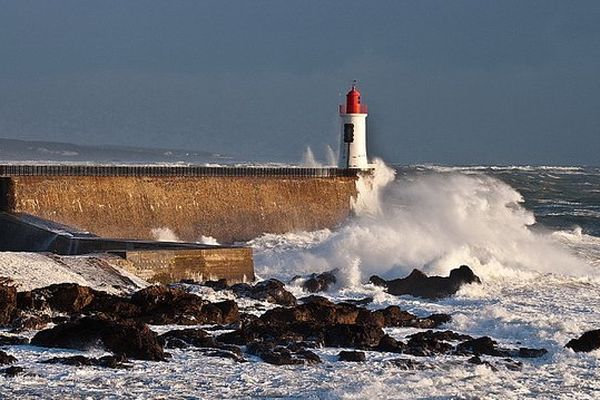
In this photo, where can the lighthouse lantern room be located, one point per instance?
(353, 147)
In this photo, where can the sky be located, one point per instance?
(446, 82)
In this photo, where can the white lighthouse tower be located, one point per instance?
(353, 148)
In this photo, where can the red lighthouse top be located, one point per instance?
(353, 105)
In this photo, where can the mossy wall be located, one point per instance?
(226, 208)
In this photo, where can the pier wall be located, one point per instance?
(225, 205)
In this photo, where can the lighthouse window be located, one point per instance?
(348, 133)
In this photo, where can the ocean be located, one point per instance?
(532, 234)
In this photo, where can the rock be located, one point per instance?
(182, 338)
(6, 358)
(279, 355)
(390, 345)
(12, 371)
(270, 290)
(319, 282)
(356, 336)
(130, 338)
(30, 322)
(427, 344)
(62, 297)
(233, 355)
(482, 345)
(353, 356)
(8, 304)
(316, 309)
(221, 284)
(9, 340)
(420, 285)
(407, 364)
(531, 353)
(447, 336)
(80, 361)
(162, 305)
(587, 342)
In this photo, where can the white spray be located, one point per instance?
(434, 222)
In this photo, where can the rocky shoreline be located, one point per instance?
(70, 316)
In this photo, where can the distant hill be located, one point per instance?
(25, 150)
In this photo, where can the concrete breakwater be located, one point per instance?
(228, 203)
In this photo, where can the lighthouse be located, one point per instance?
(353, 148)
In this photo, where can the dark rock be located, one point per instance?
(447, 336)
(280, 355)
(435, 320)
(482, 345)
(162, 305)
(182, 338)
(393, 316)
(6, 358)
(221, 284)
(587, 342)
(81, 361)
(354, 356)
(276, 355)
(359, 302)
(233, 355)
(531, 353)
(270, 290)
(7, 340)
(29, 322)
(319, 282)
(476, 360)
(390, 345)
(317, 310)
(427, 344)
(8, 303)
(420, 285)
(406, 364)
(356, 336)
(130, 338)
(12, 371)
(62, 297)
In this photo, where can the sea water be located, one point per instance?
(531, 233)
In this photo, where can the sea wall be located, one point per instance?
(228, 208)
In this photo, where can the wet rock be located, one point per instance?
(355, 336)
(531, 353)
(61, 297)
(482, 345)
(420, 285)
(30, 322)
(270, 290)
(12, 371)
(182, 338)
(162, 305)
(319, 282)
(221, 284)
(6, 358)
(587, 342)
(359, 302)
(476, 360)
(130, 338)
(8, 303)
(353, 356)
(390, 345)
(280, 355)
(10, 340)
(223, 353)
(316, 309)
(81, 361)
(427, 344)
(447, 336)
(407, 364)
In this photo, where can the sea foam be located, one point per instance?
(435, 221)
